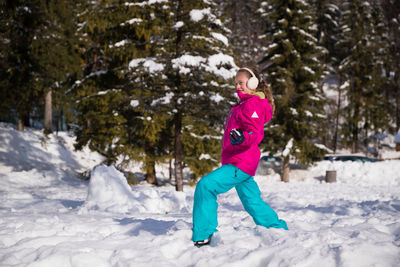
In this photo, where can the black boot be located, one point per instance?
(203, 242)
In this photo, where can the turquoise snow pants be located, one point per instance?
(220, 181)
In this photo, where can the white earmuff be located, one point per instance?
(252, 83)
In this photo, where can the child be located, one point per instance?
(244, 130)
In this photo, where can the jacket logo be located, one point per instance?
(255, 115)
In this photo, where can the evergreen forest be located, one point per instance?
(152, 81)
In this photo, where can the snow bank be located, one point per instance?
(358, 173)
(109, 191)
(361, 173)
(31, 149)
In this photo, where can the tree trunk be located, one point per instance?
(335, 137)
(57, 122)
(178, 115)
(61, 118)
(366, 127)
(58, 118)
(23, 120)
(170, 169)
(151, 175)
(150, 165)
(397, 110)
(178, 152)
(48, 113)
(285, 169)
(354, 147)
(355, 129)
(20, 124)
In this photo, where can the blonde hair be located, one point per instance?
(263, 86)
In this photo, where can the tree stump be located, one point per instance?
(330, 177)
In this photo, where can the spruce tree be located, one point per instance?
(327, 15)
(391, 10)
(20, 22)
(363, 45)
(147, 121)
(111, 38)
(186, 68)
(291, 64)
(38, 57)
(199, 72)
(55, 51)
(115, 113)
(378, 116)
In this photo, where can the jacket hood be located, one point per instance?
(243, 96)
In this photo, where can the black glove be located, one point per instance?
(236, 136)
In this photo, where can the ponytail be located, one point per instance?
(266, 89)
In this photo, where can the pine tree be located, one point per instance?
(199, 71)
(183, 64)
(391, 10)
(55, 51)
(116, 116)
(291, 63)
(378, 117)
(20, 21)
(187, 67)
(38, 56)
(148, 123)
(327, 15)
(111, 38)
(363, 45)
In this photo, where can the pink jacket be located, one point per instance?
(250, 115)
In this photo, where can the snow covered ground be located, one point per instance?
(49, 217)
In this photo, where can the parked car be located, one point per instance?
(269, 164)
(350, 158)
(270, 159)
